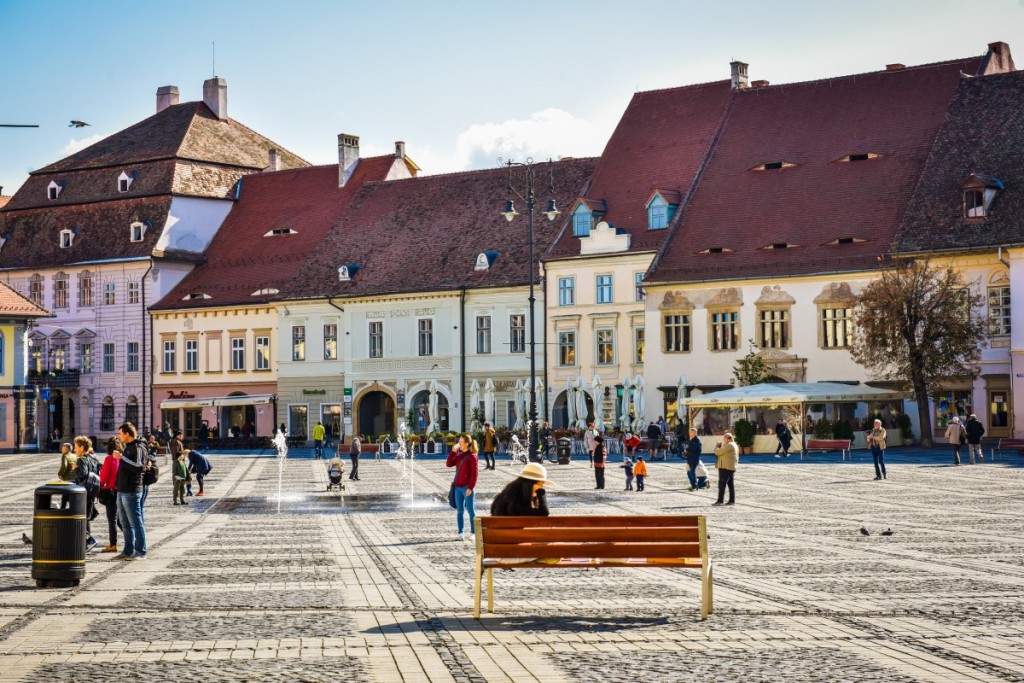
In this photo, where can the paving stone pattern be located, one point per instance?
(373, 585)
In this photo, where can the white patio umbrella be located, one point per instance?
(432, 408)
(581, 404)
(474, 403)
(680, 395)
(489, 403)
(598, 405)
(570, 403)
(538, 391)
(521, 393)
(638, 405)
(624, 422)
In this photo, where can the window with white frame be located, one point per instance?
(582, 221)
(638, 345)
(263, 352)
(60, 290)
(108, 357)
(999, 311)
(639, 294)
(137, 231)
(483, 334)
(725, 333)
(132, 356)
(425, 334)
(298, 342)
(517, 333)
(773, 328)
(331, 341)
(59, 354)
(124, 181)
(134, 291)
(376, 339)
(566, 349)
(604, 289)
(566, 291)
(54, 189)
(35, 289)
(836, 327)
(170, 355)
(191, 355)
(85, 358)
(67, 238)
(85, 289)
(605, 347)
(676, 332)
(238, 354)
(109, 294)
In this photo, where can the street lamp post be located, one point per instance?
(529, 175)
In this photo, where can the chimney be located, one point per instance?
(739, 75)
(895, 67)
(348, 156)
(166, 96)
(215, 96)
(399, 149)
(759, 84)
(275, 160)
(997, 60)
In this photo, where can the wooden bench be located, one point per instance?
(1011, 445)
(827, 445)
(583, 542)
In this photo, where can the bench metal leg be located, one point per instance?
(476, 590)
(490, 591)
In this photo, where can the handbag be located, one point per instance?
(106, 496)
(451, 489)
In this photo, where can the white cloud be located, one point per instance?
(80, 144)
(548, 133)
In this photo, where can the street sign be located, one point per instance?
(53, 408)
(348, 391)
(45, 394)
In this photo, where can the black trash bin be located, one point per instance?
(564, 451)
(58, 536)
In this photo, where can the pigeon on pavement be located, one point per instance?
(888, 532)
(864, 532)
(25, 539)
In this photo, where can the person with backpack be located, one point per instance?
(130, 471)
(199, 465)
(975, 430)
(87, 475)
(957, 436)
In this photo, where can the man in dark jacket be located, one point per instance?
(129, 493)
(693, 451)
(784, 436)
(975, 430)
(654, 438)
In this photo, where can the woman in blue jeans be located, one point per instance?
(463, 457)
(876, 440)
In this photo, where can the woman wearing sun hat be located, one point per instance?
(524, 495)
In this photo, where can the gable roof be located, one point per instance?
(659, 143)
(14, 304)
(4, 199)
(424, 234)
(241, 259)
(983, 136)
(895, 114)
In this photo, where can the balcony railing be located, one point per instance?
(68, 378)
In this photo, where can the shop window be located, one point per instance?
(950, 404)
(298, 420)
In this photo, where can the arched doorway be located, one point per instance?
(238, 420)
(376, 414)
(560, 412)
(421, 410)
(56, 409)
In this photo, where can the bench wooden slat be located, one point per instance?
(595, 550)
(582, 521)
(572, 534)
(568, 563)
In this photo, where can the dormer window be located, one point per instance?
(582, 221)
(485, 260)
(660, 210)
(124, 181)
(774, 166)
(196, 295)
(266, 291)
(780, 245)
(979, 191)
(717, 250)
(280, 231)
(67, 238)
(348, 271)
(860, 156)
(53, 190)
(846, 240)
(138, 231)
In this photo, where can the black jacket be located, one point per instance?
(132, 467)
(975, 430)
(693, 449)
(524, 510)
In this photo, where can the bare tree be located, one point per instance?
(919, 325)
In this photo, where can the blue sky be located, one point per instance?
(461, 82)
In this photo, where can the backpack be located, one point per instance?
(88, 473)
(152, 473)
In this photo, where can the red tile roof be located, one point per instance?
(14, 304)
(241, 260)
(660, 142)
(3, 200)
(424, 234)
(895, 114)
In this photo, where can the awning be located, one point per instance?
(258, 399)
(789, 394)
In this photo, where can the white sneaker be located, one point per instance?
(462, 537)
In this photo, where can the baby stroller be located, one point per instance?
(334, 472)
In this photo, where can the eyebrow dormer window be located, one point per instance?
(53, 190)
(67, 238)
(196, 295)
(780, 245)
(863, 156)
(280, 231)
(138, 231)
(847, 240)
(774, 166)
(124, 181)
(717, 250)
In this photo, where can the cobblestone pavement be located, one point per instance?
(374, 586)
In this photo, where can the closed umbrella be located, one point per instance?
(432, 408)
(598, 405)
(538, 392)
(474, 404)
(521, 393)
(680, 395)
(624, 422)
(570, 403)
(581, 404)
(638, 405)
(489, 401)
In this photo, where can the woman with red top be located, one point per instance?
(108, 491)
(463, 457)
